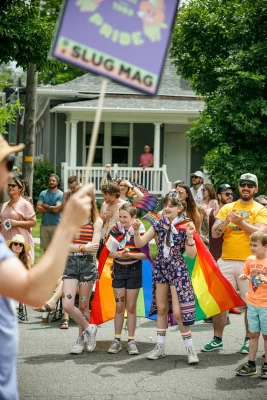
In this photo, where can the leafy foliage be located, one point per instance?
(8, 112)
(221, 47)
(26, 34)
(42, 170)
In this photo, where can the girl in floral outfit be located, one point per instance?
(174, 234)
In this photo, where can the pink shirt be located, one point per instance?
(146, 159)
(22, 210)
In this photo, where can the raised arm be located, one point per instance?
(35, 286)
(141, 241)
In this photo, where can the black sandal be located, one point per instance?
(64, 324)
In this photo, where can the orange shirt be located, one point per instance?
(257, 292)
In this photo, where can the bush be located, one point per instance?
(42, 170)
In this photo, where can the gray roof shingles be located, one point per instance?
(170, 85)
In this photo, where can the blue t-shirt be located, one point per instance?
(51, 199)
(8, 338)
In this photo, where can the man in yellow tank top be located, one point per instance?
(236, 222)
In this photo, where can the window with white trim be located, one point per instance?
(98, 159)
(120, 143)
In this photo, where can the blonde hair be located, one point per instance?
(259, 236)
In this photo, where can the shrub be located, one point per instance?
(42, 170)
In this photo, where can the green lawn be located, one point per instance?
(36, 228)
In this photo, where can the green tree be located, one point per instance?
(8, 112)
(221, 47)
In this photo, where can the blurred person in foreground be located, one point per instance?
(33, 286)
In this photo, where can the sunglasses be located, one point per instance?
(195, 177)
(228, 194)
(12, 185)
(10, 160)
(18, 244)
(175, 195)
(249, 185)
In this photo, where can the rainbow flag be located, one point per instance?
(103, 304)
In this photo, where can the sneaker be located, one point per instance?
(115, 347)
(246, 370)
(245, 347)
(264, 372)
(192, 357)
(157, 352)
(213, 345)
(90, 337)
(78, 347)
(132, 347)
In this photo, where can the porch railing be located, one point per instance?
(154, 179)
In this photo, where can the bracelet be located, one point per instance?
(81, 249)
(189, 244)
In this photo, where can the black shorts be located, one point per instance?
(83, 268)
(127, 276)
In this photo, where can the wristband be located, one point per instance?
(189, 244)
(80, 249)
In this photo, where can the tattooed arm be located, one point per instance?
(219, 227)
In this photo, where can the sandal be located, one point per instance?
(40, 309)
(64, 324)
(49, 308)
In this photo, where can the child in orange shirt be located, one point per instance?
(255, 269)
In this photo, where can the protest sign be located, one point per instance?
(124, 40)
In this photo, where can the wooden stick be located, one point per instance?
(95, 131)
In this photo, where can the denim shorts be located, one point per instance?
(127, 276)
(257, 319)
(83, 268)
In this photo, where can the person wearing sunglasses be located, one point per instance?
(197, 186)
(32, 286)
(236, 221)
(18, 215)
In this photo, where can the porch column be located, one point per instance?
(73, 143)
(157, 145)
(67, 149)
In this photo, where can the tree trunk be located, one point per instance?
(29, 125)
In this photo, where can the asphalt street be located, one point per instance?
(48, 371)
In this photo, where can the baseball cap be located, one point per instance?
(223, 187)
(248, 178)
(198, 174)
(6, 149)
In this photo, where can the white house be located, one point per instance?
(130, 120)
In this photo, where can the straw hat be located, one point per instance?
(6, 149)
(19, 239)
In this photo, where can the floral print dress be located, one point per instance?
(172, 270)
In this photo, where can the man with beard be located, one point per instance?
(49, 204)
(32, 286)
(236, 222)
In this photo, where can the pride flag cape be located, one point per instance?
(103, 304)
(213, 292)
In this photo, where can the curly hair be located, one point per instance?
(111, 188)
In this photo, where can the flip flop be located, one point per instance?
(64, 324)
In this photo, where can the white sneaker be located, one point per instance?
(132, 347)
(115, 347)
(157, 352)
(90, 337)
(192, 357)
(78, 346)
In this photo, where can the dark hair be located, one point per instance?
(211, 191)
(129, 208)
(191, 208)
(72, 179)
(26, 188)
(111, 188)
(23, 256)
